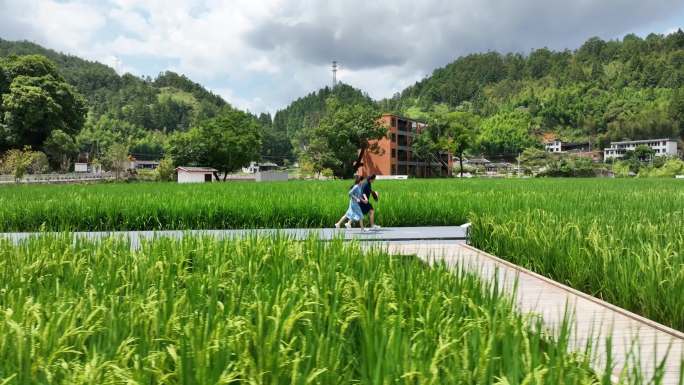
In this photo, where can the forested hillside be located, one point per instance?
(308, 110)
(126, 108)
(604, 90)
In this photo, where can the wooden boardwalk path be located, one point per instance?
(594, 320)
(389, 234)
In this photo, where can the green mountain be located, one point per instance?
(604, 90)
(307, 110)
(169, 102)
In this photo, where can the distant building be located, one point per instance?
(558, 146)
(492, 168)
(83, 167)
(476, 162)
(195, 174)
(80, 167)
(255, 167)
(395, 155)
(662, 147)
(143, 164)
(553, 146)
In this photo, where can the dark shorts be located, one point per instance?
(366, 207)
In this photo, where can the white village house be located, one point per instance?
(559, 146)
(662, 147)
(143, 164)
(83, 167)
(195, 174)
(255, 167)
(80, 167)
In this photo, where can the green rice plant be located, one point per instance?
(261, 311)
(620, 240)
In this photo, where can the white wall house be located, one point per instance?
(554, 146)
(143, 164)
(91, 168)
(662, 147)
(80, 167)
(271, 176)
(255, 167)
(195, 174)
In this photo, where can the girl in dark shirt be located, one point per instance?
(367, 207)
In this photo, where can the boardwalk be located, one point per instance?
(443, 233)
(594, 319)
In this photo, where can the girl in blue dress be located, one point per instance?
(354, 213)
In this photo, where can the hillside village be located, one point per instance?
(608, 108)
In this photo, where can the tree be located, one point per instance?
(38, 164)
(60, 149)
(19, 162)
(457, 132)
(342, 138)
(641, 153)
(226, 143)
(116, 159)
(676, 109)
(534, 159)
(37, 101)
(275, 145)
(314, 152)
(506, 133)
(165, 169)
(100, 134)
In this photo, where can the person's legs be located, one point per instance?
(341, 221)
(371, 214)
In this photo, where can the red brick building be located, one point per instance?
(395, 156)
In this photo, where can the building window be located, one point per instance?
(394, 122)
(403, 155)
(403, 141)
(394, 153)
(394, 138)
(402, 125)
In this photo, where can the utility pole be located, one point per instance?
(334, 71)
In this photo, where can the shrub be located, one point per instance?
(166, 169)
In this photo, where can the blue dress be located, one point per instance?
(354, 211)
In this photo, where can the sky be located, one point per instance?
(260, 55)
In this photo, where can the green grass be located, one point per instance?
(261, 311)
(620, 240)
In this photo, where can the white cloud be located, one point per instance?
(65, 26)
(263, 54)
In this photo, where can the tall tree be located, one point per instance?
(37, 101)
(117, 159)
(227, 142)
(342, 138)
(60, 149)
(506, 133)
(458, 134)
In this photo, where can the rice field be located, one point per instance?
(620, 240)
(262, 311)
